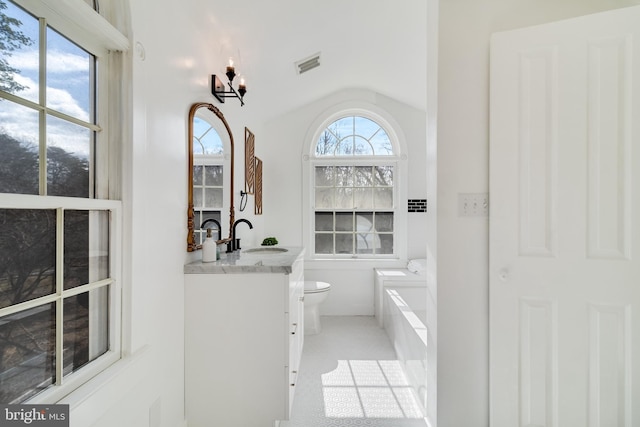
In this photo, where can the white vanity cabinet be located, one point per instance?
(244, 335)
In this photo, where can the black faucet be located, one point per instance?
(235, 243)
(216, 222)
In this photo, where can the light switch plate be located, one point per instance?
(473, 204)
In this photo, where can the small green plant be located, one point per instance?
(270, 241)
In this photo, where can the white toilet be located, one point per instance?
(314, 294)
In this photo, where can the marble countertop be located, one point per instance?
(246, 261)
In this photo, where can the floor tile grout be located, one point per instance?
(349, 375)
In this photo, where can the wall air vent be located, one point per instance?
(307, 64)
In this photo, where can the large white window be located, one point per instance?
(354, 169)
(60, 234)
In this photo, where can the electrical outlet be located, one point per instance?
(473, 204)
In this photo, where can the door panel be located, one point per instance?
(564, 268)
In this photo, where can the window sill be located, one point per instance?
(353, 263)
(129, 369)
(105, 384)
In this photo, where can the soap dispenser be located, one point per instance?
(209, 248)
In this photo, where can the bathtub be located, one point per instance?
(392, 277)
(405, 319)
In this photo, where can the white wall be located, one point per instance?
(171, 65)
(463, 147)
(282, 145)
(171, 68)
(174, 73)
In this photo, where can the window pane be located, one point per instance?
(76, 332)
(363, 176)
(324, 176)
(326, 144)
(86, 328)
(324, 198)
(383, 198)
(27, 254)
(196, 219)
(366, 243)
(86, 247)
(364, 222)
(362, 147)
(344, 243)
(99, 302)
(27, 353)
(354, 136)
(381, 144)
(324, 243)
(344, 221)
(198, 149)
(213, 176)
(198, 170)
(384, 176)
(386, 244)
(76, 248)
(69, 69)
(324, 221)
(206, 138)
(363, 198)
(213, 197)
(212, 143)
(197, 197)
(343, 127)
(205, 215)
(384, 221)
(344, 198)
(99, 243)
(67, 158)
(344, 176)
(19, 62)
(365, 127)
(18, 149)
(345, 146)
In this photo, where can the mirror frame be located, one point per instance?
(191, 244)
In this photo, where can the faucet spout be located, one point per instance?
(235, 243)
(217, 223)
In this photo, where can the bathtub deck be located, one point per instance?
(349, 375)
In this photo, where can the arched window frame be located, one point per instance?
(397, 160)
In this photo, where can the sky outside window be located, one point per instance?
(69, 79)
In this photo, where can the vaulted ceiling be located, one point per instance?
(379, 45)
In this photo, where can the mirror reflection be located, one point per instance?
(210, 172)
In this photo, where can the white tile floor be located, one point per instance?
(349, 376)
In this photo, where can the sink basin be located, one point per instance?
(265, 250)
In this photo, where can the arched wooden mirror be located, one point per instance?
(210, 171)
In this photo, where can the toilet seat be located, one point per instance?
(312, 287)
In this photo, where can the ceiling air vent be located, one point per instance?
(309, 63)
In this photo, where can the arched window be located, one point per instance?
(208, 176)
(354, 136)
(354, 170)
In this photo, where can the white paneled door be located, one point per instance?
(565, 223)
